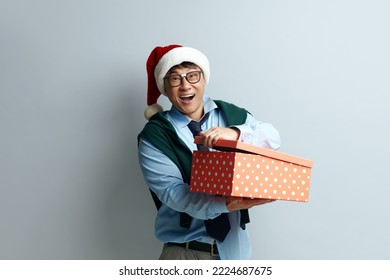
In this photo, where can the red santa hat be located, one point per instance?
(160, 60)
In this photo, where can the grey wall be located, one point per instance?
(73, 91)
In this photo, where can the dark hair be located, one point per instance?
(186, 64)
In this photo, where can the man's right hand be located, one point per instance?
(238, 203)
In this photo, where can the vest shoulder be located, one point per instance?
(227, 105)
(234, 115)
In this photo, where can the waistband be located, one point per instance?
(198, 246)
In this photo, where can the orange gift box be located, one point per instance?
(245, 170)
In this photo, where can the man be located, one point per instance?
(193, 225)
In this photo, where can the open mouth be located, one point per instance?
(188, 97)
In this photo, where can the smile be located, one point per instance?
(187, 97)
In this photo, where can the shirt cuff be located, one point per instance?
(219, 205)
(242, 130)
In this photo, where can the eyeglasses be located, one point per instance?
(176, 80)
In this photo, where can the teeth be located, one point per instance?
(187, 96)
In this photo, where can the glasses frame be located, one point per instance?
(184, 76)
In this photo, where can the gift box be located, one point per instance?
(245, 170)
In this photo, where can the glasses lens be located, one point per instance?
(193, 77)
(174, 80)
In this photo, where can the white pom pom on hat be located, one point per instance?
(152, 109)
(160, 60)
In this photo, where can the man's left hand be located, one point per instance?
(211, 136)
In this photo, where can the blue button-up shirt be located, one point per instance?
(164, 179)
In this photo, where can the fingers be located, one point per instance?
(260, 201)
(211, 136)
(238, 203)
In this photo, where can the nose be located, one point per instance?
(185, 84)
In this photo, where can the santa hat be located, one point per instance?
(160, 60)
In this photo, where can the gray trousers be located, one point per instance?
(172, 252)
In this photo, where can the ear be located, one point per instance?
(165, 89)
(203, 81)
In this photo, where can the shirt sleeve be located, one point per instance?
(258, 133)
(164, 178)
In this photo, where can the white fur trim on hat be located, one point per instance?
(175, 57)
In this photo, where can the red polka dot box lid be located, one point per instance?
(245, 170)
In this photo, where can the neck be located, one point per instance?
(197, 116)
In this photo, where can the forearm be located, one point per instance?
(164, 179)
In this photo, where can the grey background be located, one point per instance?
(73, 92)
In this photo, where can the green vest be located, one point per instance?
(162, 135)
